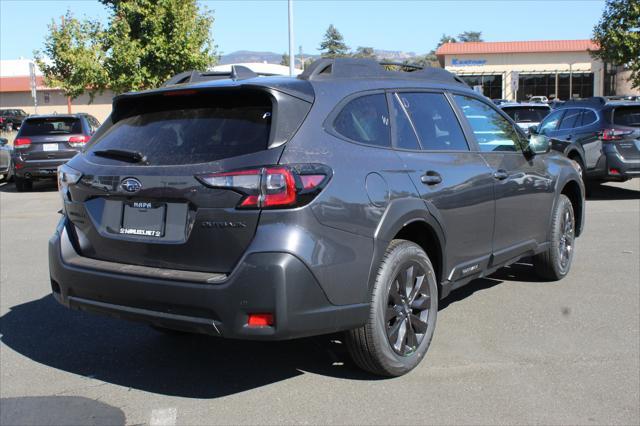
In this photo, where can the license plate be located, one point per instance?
(144, 219)
(50, 147)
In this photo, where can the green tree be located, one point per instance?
(364, 52)
(149, 41)
(618, 35)
(469, 36)
(73, 57)
(446, 39)
(333, 45)
(285, 60)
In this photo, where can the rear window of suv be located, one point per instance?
(527, 114)
(192, 129)
(627, 116)
(51, 126)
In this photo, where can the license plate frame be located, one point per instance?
(144, 219)
(49, 147)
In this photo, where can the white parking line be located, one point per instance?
(163, 417)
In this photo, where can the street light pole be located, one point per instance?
(292, 60)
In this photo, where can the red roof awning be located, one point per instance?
(21, 84)
(546, 46)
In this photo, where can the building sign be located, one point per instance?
(468, 62)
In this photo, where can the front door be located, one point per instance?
(523, 187)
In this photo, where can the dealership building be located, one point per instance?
(517, 70)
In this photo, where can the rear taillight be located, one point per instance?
(79, 141)
(66, 176)
(608, 135)
(272, 186)
(21, 143)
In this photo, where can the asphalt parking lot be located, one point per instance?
(507, 350)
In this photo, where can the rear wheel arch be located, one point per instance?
(576, 155)
(409, 219)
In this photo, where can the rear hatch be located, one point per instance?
(140, 200)
(626, 121)
(50, 138)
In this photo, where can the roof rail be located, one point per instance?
(331, 68)
(597, 100)
(238, 72)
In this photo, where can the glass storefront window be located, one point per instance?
(491, 84)
(545, 85)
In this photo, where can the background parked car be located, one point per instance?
(5, 159)
(539, 99)
(44, 142)
(11, 118)
(602, 136)
(526, 115)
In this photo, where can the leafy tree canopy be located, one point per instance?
(364, 52)
(469, 36)
(145, 43)
(333, 45)
(618, 35)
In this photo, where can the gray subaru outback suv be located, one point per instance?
(351, 198)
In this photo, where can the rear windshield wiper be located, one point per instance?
(122, 155)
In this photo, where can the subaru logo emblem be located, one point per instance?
(131, 185)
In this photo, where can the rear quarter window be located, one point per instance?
(365, 120)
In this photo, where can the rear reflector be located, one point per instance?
(614, 171)
(260, 320)
(22, 143)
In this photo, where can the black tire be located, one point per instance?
(22, 184)
(405, 292)
(554, 263)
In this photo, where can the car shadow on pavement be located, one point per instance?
(608, 192)
(188, 365)
(59, 410)
(49, 185)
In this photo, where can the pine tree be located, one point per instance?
(333, 45)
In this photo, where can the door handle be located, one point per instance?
(500, 174)
(431, 178)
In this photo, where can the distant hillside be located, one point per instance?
(275, 58)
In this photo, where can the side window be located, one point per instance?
(434, 120)
(365, 120)
(571, 119)
(405, 137)
(492, 131)
(588, 117)
(550, 123)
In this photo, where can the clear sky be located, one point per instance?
(391, 25)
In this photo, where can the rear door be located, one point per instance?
(523, 186)
(455, 182)
(152, 210)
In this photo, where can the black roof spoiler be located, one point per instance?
(369, 68)
(238, 72)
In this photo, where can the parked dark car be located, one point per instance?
(5, 159)
(526, 115)
(11, 119)
(352, 199)
(602, 136)
(44, 142)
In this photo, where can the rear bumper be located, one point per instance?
(612, 166)
(277, 283)
(38, 169)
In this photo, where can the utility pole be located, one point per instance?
(292, 59)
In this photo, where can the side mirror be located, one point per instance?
(539, 144)
(4, 141)
(533, 130)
